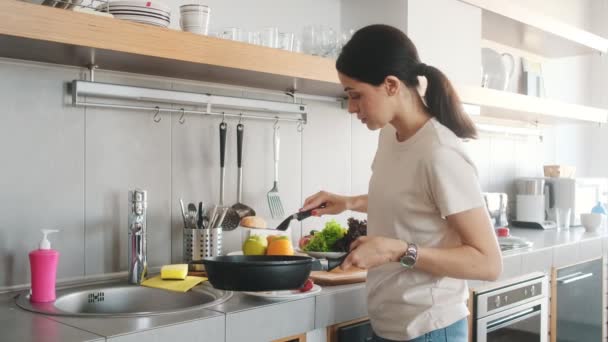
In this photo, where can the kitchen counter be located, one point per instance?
(247, 318)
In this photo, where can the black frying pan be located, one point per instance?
(257, 272)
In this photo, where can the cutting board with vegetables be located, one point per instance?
(339, 277)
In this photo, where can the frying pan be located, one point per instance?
(257, 272)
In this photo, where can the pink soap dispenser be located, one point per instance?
(43, 265)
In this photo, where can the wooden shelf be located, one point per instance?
(39, 33)
(45, 34)
(522, 28)
(505, 105)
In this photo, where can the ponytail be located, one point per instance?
(444, 104)
(377, 51)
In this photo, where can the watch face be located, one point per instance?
(408, 261)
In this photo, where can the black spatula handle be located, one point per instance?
(308, 213)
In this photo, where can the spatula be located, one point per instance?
(274, 200)
(298, 216)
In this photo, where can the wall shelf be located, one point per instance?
(45, 34)
(501, 104)
(39, 33)
(525, 29)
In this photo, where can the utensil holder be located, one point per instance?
(200, 244)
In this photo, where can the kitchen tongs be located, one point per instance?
(297, 216)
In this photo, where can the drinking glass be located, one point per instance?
(562, 218)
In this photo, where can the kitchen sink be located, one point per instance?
(120, 299)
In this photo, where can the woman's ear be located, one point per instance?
(392, 85)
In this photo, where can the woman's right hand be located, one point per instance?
(334, 204)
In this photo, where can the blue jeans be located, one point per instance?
(457, 332)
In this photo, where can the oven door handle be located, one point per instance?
(574, 277)
(516, 317)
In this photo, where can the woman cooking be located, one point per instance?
(428, 228)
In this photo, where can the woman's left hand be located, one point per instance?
(370, 251)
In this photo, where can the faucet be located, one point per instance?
(138, 265)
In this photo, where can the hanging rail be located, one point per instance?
(280, 111)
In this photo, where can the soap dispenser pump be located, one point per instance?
(43, 265)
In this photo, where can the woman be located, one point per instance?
(428, 229)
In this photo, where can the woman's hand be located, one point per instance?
(334, 204)
(370, 251)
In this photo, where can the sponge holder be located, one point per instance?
(202, 243)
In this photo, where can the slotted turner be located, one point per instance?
(274, 199)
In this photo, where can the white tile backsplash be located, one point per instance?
(78, 168)
(42, 169)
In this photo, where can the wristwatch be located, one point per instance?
(408, 260)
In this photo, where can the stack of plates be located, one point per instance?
(140, 11)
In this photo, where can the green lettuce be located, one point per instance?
(324, 240)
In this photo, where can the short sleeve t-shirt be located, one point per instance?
(415, 184)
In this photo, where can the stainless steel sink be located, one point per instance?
(120, 299)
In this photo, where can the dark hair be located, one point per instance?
(377, 51)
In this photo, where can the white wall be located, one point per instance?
(288, 16)
(71, 168)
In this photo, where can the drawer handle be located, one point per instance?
(570, 279)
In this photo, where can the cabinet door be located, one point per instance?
(297, 338)
(358, 330)
(577, 302)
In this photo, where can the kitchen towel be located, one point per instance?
(173, 285)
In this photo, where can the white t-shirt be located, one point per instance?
(415, 184)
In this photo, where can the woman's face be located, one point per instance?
(370, 103)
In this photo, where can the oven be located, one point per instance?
(512, 311)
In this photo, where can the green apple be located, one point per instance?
(255, 245)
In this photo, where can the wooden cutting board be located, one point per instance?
(339, 277)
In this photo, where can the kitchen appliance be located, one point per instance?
(534, 198)
(355, 332)
(579, 194)
(496, 205)
(516, 310)
(578, 312)
(257, 272)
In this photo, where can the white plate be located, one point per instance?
(325, 255)
(142, 3)
(143, 20)
(139, 9)
(141, 14)
(286, 294)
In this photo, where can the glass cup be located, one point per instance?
(270, 37)
(286, 41)
(232, 33)
(562, 218)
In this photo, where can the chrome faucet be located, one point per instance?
(138, 265)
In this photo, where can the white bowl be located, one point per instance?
(591, 221)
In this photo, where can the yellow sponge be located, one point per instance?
(177, 271)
